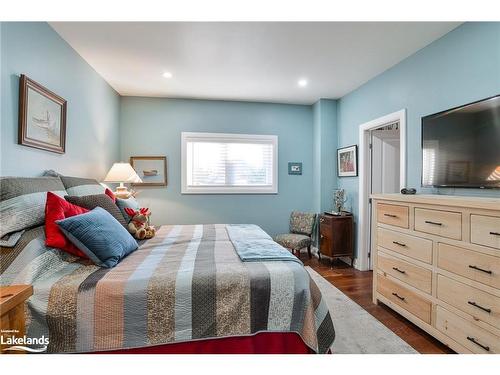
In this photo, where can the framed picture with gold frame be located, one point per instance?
(42, 117)
(151, 169)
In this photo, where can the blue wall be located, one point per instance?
(35, 49)
(153, 126)
(461, 67)
(324, 153)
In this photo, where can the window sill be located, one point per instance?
(231, 191)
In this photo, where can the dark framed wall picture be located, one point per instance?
(347, 161)
(151, 169)
(42, 117)
(294, 168)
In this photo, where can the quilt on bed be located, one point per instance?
(187, 283)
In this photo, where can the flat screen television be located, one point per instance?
(461, 146)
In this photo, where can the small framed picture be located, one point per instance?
(151, 169)
(347, 161)
(294, 168)
(42, 117)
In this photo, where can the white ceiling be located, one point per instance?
(245, 61)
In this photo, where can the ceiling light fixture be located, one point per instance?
(302, 82)
(167, 75)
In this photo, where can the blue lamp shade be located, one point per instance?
(100, 236)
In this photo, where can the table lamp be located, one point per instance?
(122, 173)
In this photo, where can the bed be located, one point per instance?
(185, 290)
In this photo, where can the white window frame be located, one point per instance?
(244, 138)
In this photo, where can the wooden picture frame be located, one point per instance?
(42, 117)
(153, 168)
(347, 161)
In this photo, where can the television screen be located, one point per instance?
(461, 146)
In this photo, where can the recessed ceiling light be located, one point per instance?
(302, 82)
(167, 75)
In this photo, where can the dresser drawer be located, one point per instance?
(393, 214)
(466, 333)
(479, 304)
(470, 264)
(442, 223)
(411, 274)
(405, 298)
(414, 247)
(485, 230)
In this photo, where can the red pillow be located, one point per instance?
(57, 208)
(110, 194)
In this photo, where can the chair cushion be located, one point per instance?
(293, 241)
(302, 222)
(99, 236)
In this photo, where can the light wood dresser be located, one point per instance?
(436, 261)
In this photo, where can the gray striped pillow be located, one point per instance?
(79, 186)
(98, 200)
(22, 201)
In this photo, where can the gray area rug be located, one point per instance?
(356, 331)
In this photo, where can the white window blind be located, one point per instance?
(214, 163)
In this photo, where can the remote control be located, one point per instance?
(408, 191)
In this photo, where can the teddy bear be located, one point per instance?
(139, 224)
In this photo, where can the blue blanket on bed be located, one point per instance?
(252, 244)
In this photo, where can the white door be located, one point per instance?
(384, 164)
(385, 161)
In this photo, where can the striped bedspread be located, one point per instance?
(187, 283)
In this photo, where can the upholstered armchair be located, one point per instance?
(301, 230)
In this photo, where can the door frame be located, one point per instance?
(363, 261)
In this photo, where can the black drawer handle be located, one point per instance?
(479, 306)
(480, 269)
(433, 222)
(399, 243)
(397, 269)
(390, 215)
(495, 233)
(398, 296)
(487, 348)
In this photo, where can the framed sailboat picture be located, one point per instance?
(42, 117)
(151, 169)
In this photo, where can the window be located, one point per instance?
(429, 153)
(214, 163)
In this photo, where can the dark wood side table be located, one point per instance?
(336, 236)
(12, 299)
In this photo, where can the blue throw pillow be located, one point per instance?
(100, 236)
(127, 203)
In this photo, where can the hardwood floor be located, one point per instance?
(357, 285)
